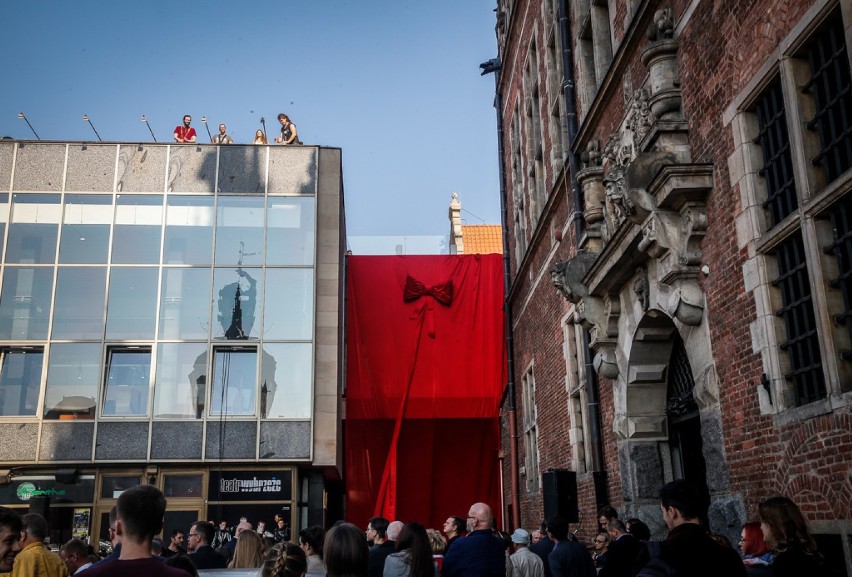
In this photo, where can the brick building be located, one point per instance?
(680, 235)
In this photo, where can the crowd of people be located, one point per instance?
(186, 134)
(778, 545)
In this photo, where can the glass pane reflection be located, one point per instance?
(34, 229)
(189, 230)
(239, 230)
(25, 303)
(237, 298)
(79, 303)
(73, 374)
(20, 381)
(128, 375)
(234, 382)
(185, 303)
(286, 381)
(290, 231)
(181, 381)
(132, 304)
(138, 225)
(290, 315)
(85, 229)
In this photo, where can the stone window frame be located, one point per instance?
(554, 75)
(534, 131)
(518, 177)
(594, 45)
(756, 233)
(573, 343)
(530, 428)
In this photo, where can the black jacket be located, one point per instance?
(621, 557)
(691, 551)
(205, 557)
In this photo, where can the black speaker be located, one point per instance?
(559, 489)
(39, 505)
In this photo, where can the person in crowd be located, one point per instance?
(524, 562)
(454, 527)
(223, 137)
(605, 515)
(227, 550)
(638, 529)
(140, 512)
(601, 543)
(260, 138)
(413, 555)
(175, 544)
(261, 530)
(36, 560)
(75, 554)
(185, 134)
(289, 134)
(282, 533)
(535, 536)
(568, 558)
(114, 538)
(786, 533)
(688, 549)
(622, 551)
(345, 551)
(543, 548)
(438, 545)
(394, 529)
(311, 541)
(756, 554)
(182, 561)
(479, 554)
(377, 528)
(221, 536)
(10, 538)
(157, 548)
(200, 551)
(248, 553)
(285, 560)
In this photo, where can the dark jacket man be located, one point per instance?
(568, 558)
(622, 551)
(480, 554)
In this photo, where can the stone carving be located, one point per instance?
(619, 204)
(641, 288)
(640, 119)
(663, 26)
(567, 276)
(592, 156)
(559, 280)
(686, 303)
(694, 227)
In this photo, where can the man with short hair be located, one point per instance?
(524, 562)
(394, 529)
(114, 539)
(75, 555)
(35, 560)
(453, 529)
(688, 549)
(200, 551)
(222, 535)
(185, 134)
(480, 554)
(568, 558)
(605, 515)
(10, 538)
(222, 137)
(175, 544)
(377, 529)
(542, 548)
(622, 551)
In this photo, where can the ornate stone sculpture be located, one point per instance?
(619, 204)
(663, 26)
(592, 156)
(641, 288)
(641, 119)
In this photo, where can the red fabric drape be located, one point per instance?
(425, 373)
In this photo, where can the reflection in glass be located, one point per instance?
(189, 230)
(85, 229)
(73, 374)
(290, 233)
(234, 381)
(20, 381)
(138, 225)
(181, 381)
(237, 301)
(132, 304)
(286, 381)
(4, 217)
(128, 374)
(182, 486)
(79, 303)
(113, 487)
(34, 229)
(239, 230)
(185, 303)
(290, 315)
(25, 303)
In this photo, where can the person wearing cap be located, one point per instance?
(525, 563)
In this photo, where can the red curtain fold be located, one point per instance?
(425, 374)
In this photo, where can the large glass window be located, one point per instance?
(291, 225)
(85, 229)
(181, 381)
(185, 304)
(132, 304)
(237, 293)
(79, 303)
(73, 374)
(290, 316)
(189, 230)
(138, 228)
(128, 375)
(234, 381)
(20, 380)
(286, 381)
(25, 303)
(34, 229)
(239, 230)
(4, 218)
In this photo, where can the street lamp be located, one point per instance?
(23, 117)
(86, 118)
(145, 120)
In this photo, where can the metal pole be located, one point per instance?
(23, 116)
(86, 118)
(145, 120)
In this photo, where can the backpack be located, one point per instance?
(656, 565)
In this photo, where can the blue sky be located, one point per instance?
(394, 83)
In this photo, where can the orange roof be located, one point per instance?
(482, 238)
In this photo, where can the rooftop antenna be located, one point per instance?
(86, 118)
(145, 120)
(23, 116)
(204, 122)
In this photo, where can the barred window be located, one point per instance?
(774, 141)
(840, 216)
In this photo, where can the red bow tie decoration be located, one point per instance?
(441, 292)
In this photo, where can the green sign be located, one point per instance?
(28, 490)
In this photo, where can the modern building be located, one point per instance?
(171, 315)
(677, 187)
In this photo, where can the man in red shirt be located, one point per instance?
(185, 134)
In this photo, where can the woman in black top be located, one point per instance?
(786, 532)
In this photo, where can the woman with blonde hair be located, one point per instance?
(290, 561)
(248, 554)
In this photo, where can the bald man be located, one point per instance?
(480, 554)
